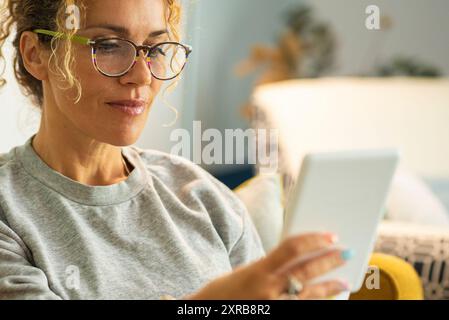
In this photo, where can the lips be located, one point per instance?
(130, 107)
(128, 103)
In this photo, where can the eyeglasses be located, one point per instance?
(114, 57)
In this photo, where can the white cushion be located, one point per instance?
(411, 200)
(262, 196)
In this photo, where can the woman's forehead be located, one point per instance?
(136, 16)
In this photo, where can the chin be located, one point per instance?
(122, 140)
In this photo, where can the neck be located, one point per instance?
(77, 156)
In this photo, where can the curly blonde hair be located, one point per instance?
(27, 15)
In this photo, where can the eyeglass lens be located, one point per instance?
(115, 57)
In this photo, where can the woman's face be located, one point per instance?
(92, 116)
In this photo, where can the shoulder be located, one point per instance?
(190, 181)
(8, 168)
(179, 172)
(170, 167)
(6, 157)
(8, 164)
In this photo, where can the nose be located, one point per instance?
(140, 73)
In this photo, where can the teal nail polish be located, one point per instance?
(347, 254)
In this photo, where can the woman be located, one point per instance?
(83, 215)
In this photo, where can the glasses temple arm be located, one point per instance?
(79, 39)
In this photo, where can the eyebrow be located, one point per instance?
(124, 31)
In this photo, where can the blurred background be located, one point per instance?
(241, 44)
(329, 75)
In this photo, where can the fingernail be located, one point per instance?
(331, 237)
(347, 254)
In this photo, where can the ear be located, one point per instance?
(34, 55)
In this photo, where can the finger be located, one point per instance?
(318, 266)
(295, 247)
(323, 290)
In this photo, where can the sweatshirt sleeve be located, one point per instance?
(19, 279)
(247, 246)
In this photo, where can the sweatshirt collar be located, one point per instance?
(81, 193)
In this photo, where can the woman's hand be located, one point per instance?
(262, 280)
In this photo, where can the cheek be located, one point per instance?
(156, 86)
(91, 81)
(94, 85)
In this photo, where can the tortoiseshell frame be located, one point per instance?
(94, 44)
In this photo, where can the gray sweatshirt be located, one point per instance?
(168, 229)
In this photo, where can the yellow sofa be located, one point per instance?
(398, 281)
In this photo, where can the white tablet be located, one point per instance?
(344, 193)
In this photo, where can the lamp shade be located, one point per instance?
(331, 114)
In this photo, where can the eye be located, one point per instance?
(157, 52)
(107, 46)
